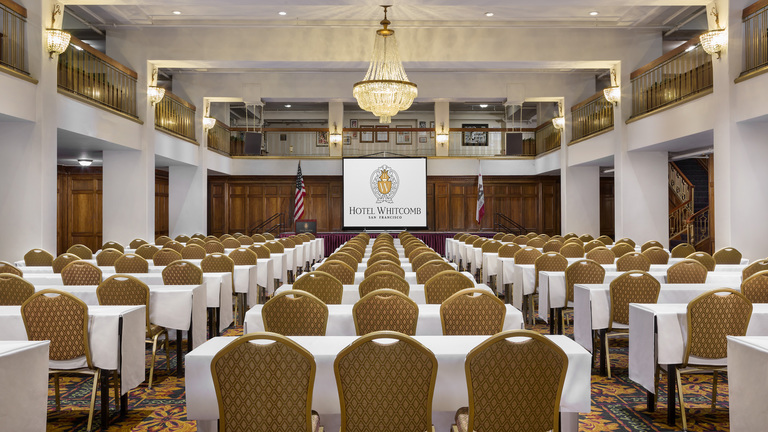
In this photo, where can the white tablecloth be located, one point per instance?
(666, 345)
(747, 378)
(490, 265)
(450, 389)
(342, 323)
(351, 293)
(24, 380)
(103, 333)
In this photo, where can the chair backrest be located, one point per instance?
(81, 273)
(182, 238)
(107, 257)
(230, 243)
(245, 240)
(755, 287)
(682, 250)
(210, 238)
(147, 251)
(480, 241)
(173, 244)
(491, 246)
(498, 236)
(586, 238)
(340, 270)
(536, 243)
(385, 309)
(544, 237)
(656, 255)
(515, 384)
(225, 236)
(198, 236)
(635, 286)
(14, 290)
(711, 317)
(122, 290)
(397, 392)
(601, 255)
(113, 245)
(571, 250)
(213, 247)
(384, 280)
(268, 236)
(431, 268)
(217, 263)
(351, 250)
(287, 243)
(297, 239)
(418, 251)
(521, 240)
(321, 285)
(258, 238)
(274, 247)
(81, 250)
(687, 271)
(621, 249)
(345, 258)
(163, 257)
(626, 240)
(424, 258)
(193, 251)
(704, 258)
(445, 284)
(243, 256)
(472, 311)
(136, 243)
(384, 266)
(8, 268)
(295, 313)
(196, 241)
(650, 244)
(575, 240)
(131, 263)
(552, 246)
(727, 255)
(570, 235)
(604, 239)
(583, 271)
(755, 267)
(527, 255)
(62, 261)
(62, 319)
(592, 244)
(633, 261)
(38, 258)
(383, 256)
(182, 273)
(248, 372)
(550, 261)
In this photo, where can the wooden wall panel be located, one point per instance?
(607, 209)
(533, 202)
(162, 189)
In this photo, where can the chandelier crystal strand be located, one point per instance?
(385, 90)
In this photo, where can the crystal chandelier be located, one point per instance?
(559, 121)
(612, 94)
(56, 40)
(154, 92)
(715, 40)
(385, 90)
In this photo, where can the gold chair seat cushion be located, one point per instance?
(462, 419)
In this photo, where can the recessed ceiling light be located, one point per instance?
(85, 162)
(489, 14)
(594, 13)
(287, 105)
(177, 12)
(282, 13)
(483, 105)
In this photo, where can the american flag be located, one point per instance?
(480, 211)
(301, 192)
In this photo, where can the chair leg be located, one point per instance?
(152, 363)
(116, 378)
(96, 378)
(607, 354)
(682, 399)
(168, 352)
(56, 391)
(531, 309)
(714, 390)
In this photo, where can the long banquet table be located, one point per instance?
(24, 378)
(450, 389)
(351, 293)
(747, 390)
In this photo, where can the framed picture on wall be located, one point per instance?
(432, 126)
(347, 140)
(322, 139)
(403, 138)
(382, 134)
(365, 135)
(422, 140)
(470, 138)
(353, 125)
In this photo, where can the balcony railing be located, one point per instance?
(755, 18)
(219, 138)
(591, 116)
(547, 137)
(174, 114)
(675, 76)
(13, 39)
(93, 75)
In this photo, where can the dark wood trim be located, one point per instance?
(105, 58)
(692, 42)
(754, 7)
(12, 5)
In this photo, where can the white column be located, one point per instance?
(442, 120)
(187, 202)
(335, 117)
(28, 153)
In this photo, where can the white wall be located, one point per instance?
(88, 120)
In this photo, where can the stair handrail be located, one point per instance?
(678, 218)
(675, 171)
(521, 229)
(267, 221)
(694, 222)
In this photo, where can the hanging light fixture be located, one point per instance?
(208, 121)
(442, 137)
(714, 41)
(559, 121)
(385, 90)
(154, 93)
(335, 136)
(56, 40)
(613, 94)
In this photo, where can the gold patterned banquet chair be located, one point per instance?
(626, 240)
(509, 250)
(472, 311)
(182, 238)
(592, 244)
(605, 240)
(213, 246)
(430, 268)
(268, 236)
(193, 251)
(583, 271)
(755, 287)
(38, 258)
(383, 256)
(704, 258)
(258, 238)
(633, 261)
(350, 250)
(81, 273)
(295, 313)
(382, 280)
(322, 285)
(122, 290)
(513, 384)
(498, 236)
(687, 272)
(345, 258)
(550, 261)
(14, 290)
(387, 266)
(136, 243)
(245, 241)
(586, 238)
(147, 251)
(445, 284)
(274, 247)
(230, 243)
(173, 244)
(260, 367)
(423, 258)
(621, 249)
(62, 261)
(656, 255)
(244, 256)
(521, 240)
(113, 245)
(682, 250)
(340, 270)
(260, 250)
(163, 257)
(196, 241)
(395, 395)
(220, 263)
(571, 250)
(536, 242)
(8, 268)
(107, 257)
(131, 263)
(182, 273)
(82, 251)
(601, 255)
(651, 244)
(727, 255)
(385, 309)
(755, 267)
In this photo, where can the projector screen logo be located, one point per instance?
(384, 184)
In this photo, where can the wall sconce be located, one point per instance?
(155, 93)
(559, 121)
(442, 137)
(56, 40)
(335, 136)
(613, 94)
(714, 41)
(208, 121)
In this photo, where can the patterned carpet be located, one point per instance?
(617, 403)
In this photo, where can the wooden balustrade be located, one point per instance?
(755, 19)
(673, 77)
(91, 74)
(591, 116)
(13, 39)
(698, 226)
(175, 115)
(547, 137)
(219, 138)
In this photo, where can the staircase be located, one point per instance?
(689, 203)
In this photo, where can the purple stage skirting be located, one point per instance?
(435, 240)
